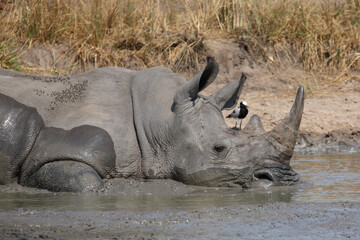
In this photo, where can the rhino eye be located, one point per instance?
(219, 148)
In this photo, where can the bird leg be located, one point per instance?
(240, 124)
(236, 122)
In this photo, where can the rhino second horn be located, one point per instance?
(254, 125)
(283, 136)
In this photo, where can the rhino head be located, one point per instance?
(205, 151)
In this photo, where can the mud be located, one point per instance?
(262, 221)
(325, 205)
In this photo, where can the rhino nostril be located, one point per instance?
(264, 175)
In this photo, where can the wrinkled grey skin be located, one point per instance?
(145, 124)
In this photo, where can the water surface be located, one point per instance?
(325, 178)
(332, 177)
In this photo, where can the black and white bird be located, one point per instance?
(239, 113)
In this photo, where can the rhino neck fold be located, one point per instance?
(154, 148)
(152, 122)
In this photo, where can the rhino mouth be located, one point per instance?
(275, 174)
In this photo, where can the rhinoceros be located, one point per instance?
(70, 133)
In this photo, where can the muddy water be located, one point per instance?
(326, 178)
(331, 177)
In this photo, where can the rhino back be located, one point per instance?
(100, 98)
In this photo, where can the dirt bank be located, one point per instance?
(331, 112)
(264, 221)
(328, 120)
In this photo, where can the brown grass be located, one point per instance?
(323, 35)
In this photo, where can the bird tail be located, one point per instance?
(228, 116)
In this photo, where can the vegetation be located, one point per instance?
(8, 56)
(324, 35)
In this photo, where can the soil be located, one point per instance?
(262, 221)
(331, 113)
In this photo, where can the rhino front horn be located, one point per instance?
(283, 136)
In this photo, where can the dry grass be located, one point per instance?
(324, 35)
(107, 32)
(8, 55)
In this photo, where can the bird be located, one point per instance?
(239, 113)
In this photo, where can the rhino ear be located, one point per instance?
(190, 90)
(227, 97)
